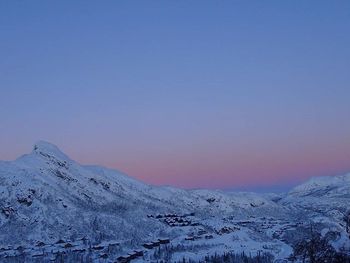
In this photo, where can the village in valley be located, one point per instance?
(198, 239)
(56, 210)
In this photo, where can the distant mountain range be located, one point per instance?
(53, 208)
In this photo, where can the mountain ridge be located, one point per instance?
(46, 196)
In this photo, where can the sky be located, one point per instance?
(194, 94)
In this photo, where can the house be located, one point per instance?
(156, 243)
(60, 241)
(113, 244)
(164, 241)
(98, 247)
(79, 250)
(132, 255)
(148, 245)
(68, 245)
(139, 253)
(180, 220)
(11, 253)
(21, 248)
(37, 255)
(170, 215)
(123, 259)
(40, 244)
(225, 230)
(202, 232)
(104, 255)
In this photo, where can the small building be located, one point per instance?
(132, 255)
(38, 255)
(164, 241)
(79, 250)
(40, 244)
(68, 245)
(202, 232)
(156, 244)
(104, 255)
(20, 248)
(148, 245)
(123, 259)
(113, 244)
(98, 247)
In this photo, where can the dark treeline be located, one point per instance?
(318, 249)
(236, 258)
(230, 257)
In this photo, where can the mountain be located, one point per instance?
(326, 186)
(51, 207)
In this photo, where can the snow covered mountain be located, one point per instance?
(50, 204)
(326, 186)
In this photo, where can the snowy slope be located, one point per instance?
(46, 196)
(326, 186)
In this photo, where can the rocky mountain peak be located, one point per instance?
(49, 150)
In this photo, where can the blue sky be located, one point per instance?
(188, 93)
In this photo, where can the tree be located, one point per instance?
(317, 249)
(347, 221)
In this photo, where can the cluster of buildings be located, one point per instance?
(175, 220)
(139, 253)
(61, 248)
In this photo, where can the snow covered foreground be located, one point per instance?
(52, 208)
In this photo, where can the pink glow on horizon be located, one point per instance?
(232, 168)
(256, 95)
(249, 173)
(216, 163)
